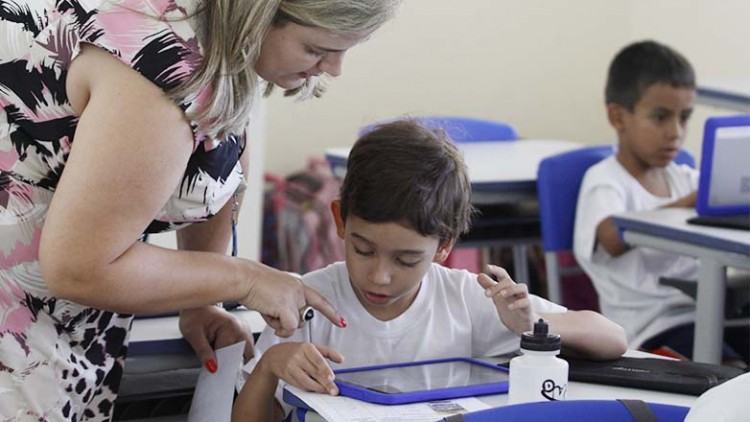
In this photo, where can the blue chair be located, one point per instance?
(558, 183)
(574, 411)
(461, 129)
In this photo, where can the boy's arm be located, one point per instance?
(303, 365)
(687, 201)
(256, 401)
(608, 235)
(588, 334)
(584, 333)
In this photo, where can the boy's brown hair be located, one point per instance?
(405, 173)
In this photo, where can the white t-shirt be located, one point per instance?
(724, 403)
(628, 285)
(450, 317)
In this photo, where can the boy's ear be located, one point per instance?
(336, 212)
(616, 116)
(443, 251)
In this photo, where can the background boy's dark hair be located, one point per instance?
(642, 64)
(404, 172)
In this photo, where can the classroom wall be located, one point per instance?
(714, 36)
(538, 65)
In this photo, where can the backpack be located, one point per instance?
(299, 233)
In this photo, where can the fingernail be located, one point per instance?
(342, 322)
(488, 292)
(503, 293)
(211, 366)
(333, 391)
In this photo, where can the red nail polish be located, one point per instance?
(211, 366)
(342, 322)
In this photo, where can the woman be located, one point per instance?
(144, 104)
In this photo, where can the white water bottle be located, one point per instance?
(537, 375)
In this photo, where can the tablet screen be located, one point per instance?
(423, 377)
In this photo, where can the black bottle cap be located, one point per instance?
(540, 340)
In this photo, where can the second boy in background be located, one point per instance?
(649, 94)
(404, 202)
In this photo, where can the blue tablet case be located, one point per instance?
(708, 167)
(372, 396)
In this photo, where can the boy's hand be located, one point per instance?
(687, 201)
(303, 365)
(511, 299)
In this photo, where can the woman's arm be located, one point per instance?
(588, 334)
(130, 151)
(209, 328)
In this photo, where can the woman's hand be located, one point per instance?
(210, 328)
(511, 300)
(279, 297)
(303, 365)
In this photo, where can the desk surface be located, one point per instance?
(671, 223)
(733, 94)
(585, 391)
(507, 165)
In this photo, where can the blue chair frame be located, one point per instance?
(558, 184)
(572, 411)
(461, 129)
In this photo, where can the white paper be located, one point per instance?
(345, 409)
(212, 400)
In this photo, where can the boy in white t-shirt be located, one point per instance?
(649, 94)
(404, 202)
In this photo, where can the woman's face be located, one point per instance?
(292, 53)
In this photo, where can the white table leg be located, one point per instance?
(520, 265)
(709, 316)
(554, 284)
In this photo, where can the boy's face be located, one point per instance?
(653, 132)
(386, 262)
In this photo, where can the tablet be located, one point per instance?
(422, 381)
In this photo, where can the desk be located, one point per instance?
(586, 391)
(733, 94)
(502, 172)
(667, 229)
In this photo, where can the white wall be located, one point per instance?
(713, 35)
(539, 65)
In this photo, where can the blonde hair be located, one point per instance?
(233, 35)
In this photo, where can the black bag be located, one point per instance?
(673, 376)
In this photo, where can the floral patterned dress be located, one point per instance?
(60, 360)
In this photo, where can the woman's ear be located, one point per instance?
(445, 248)
(336, 212)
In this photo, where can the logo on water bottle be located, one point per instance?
(552, 391)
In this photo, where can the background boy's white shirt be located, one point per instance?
(450, 317)
(628, 285)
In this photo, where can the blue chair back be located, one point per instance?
(558, 183)
(461, 129)
(573, 411)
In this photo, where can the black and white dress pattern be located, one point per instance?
(60, 360)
